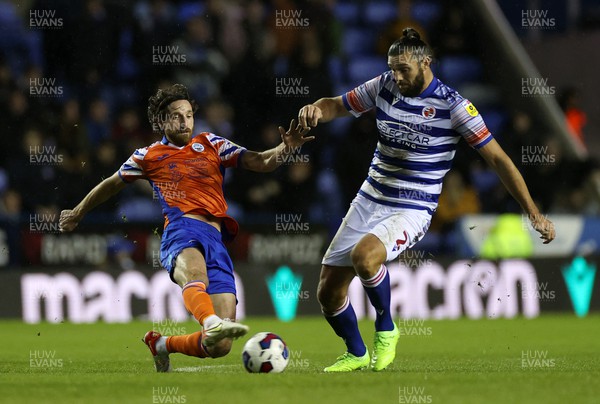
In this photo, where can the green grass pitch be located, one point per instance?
(551, 359)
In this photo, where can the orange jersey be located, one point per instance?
(187, 179)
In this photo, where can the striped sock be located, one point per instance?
(344, 323)
(378, 291)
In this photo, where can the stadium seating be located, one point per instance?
(481, 94)
(361, 69)
(339, 127)
(425, 12)
(457, 70)
(189, 10)
(347, 13)
(380, 13)
(337, 70)
(358, 41)
(126, 66)
(494, 119)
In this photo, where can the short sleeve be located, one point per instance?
(228, 152)
(132, 169)
(362, 98)
(467, 121)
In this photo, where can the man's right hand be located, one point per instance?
(309, 116)
(68, 220)
(542, 225)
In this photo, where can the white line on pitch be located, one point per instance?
(202, 368)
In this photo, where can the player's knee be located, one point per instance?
(329, 298)
(323, 295)
(366, 262)
(221, 348)
(197, 275)
(184, 274)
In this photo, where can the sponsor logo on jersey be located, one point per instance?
(400, 242)
(471, 109)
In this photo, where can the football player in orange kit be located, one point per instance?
(186, 172)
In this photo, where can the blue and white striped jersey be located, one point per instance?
(417, 139)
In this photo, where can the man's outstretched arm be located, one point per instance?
(323, 110)
(514, 183)
(269, 160)
(70, 218)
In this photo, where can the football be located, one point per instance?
(265, 352)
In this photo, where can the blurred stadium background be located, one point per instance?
(74, 82)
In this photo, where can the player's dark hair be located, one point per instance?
(410, 42)
(158, 103)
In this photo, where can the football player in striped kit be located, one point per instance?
(420, 120)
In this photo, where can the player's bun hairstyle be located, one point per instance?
(411, 34)
(158, 103)
(411, 42)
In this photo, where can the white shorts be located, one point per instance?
(397, 228)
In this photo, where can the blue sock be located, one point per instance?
(345, 325)
(378, 290)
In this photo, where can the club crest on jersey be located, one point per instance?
(197, 147)
(428, 112)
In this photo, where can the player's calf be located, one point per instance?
(333, 287)
(220, 349)
(330, 299)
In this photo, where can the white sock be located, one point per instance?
(161, 346)
(210, 321)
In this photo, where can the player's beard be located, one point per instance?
(414, 88)
(180, 138)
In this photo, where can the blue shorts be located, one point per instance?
(185, 233)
